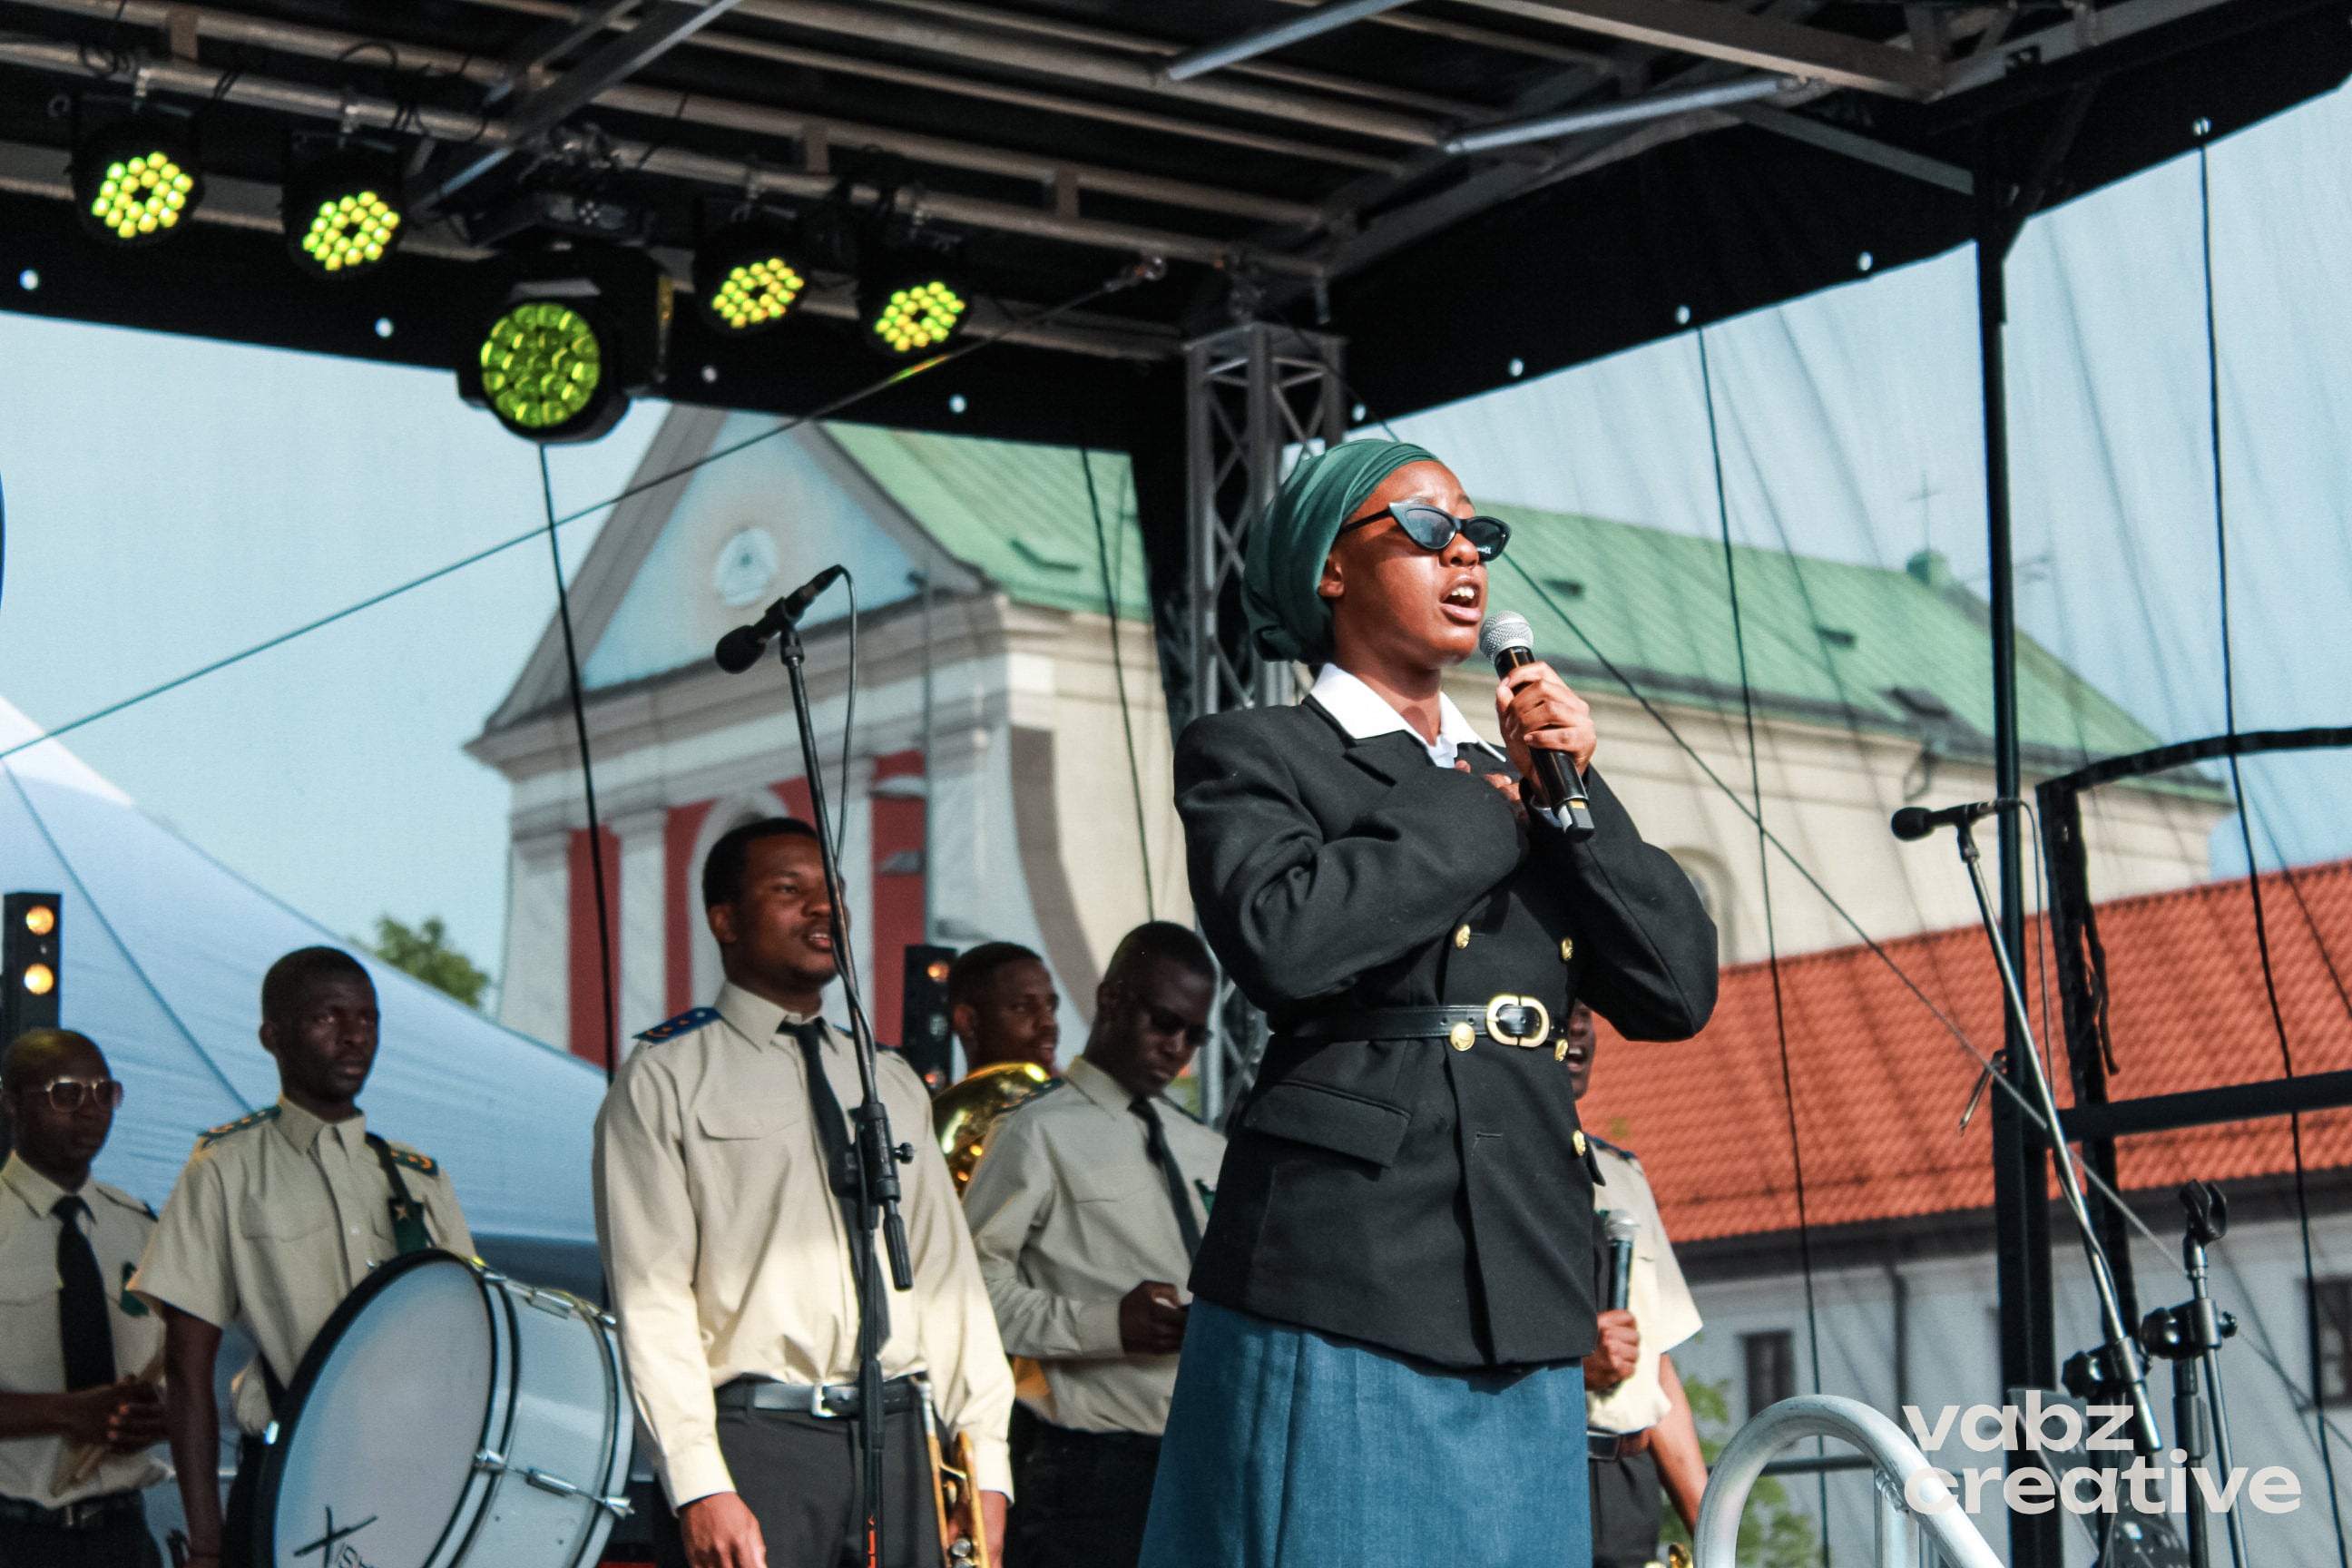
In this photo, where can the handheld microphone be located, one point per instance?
(1507, 640)
(1622, 1228)
(739, 650)
(1917, 822)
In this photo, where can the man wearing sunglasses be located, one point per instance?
(72, 1338)
(1086, 1211)
(279, 1216)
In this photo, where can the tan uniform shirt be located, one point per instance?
(1070, 1212)
(32, 1353)
(726, 1250)
(1661, 1303)
(277, 1217)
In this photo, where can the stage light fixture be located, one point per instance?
(135, 184)
(909, 307)
(342, 217)
(546, 372)
(748, 277)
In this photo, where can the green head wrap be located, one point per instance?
(1288, 618)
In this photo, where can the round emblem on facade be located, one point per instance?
(745, 567)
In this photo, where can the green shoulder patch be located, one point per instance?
(132, 1307)
(423, 1163)
(213, 1135)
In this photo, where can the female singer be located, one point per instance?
(1396, 1287)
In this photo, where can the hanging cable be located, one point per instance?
(1764, 876)
(1119, 674)
(587, 783)
(2245, 826)
(822, 411)
(2310, 923)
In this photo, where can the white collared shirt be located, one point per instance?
(1364, 714)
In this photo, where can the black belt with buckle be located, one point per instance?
(1609, 1447)
(1504, 1018)
(827, 1401)
(89, 1514)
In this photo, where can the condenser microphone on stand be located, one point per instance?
(1622, 1228)
(1509, 642)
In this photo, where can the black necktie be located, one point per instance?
(82, 1324)
(1165, 1158)
(832, 1126)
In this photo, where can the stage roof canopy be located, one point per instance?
(1339, 175)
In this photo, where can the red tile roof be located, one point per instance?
(1879, 1084)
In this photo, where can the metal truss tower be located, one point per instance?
(1254, 394)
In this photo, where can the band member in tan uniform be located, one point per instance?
(726, 1241)
(279, 1216)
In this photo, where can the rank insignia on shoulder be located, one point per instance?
(250, 1118)
(1623, 1154)
(1208, 1195)
(421, 1162)
(685, 1023)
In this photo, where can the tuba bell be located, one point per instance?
(964, 1113)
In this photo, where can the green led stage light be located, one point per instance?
(342, 217)
(748, 277)
(908, 309)
(134, 185)
(547, 370)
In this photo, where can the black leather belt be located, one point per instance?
(1607, 1447)
(89, 1514)
(829, 1402)
(1504, 1018)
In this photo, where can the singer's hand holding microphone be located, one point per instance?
(1547, 728)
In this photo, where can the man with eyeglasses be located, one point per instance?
(78, 1425)
(1087, 1210)
(278, 1216)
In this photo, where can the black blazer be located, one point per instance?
(1402, 1193)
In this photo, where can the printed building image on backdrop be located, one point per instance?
(1868, 686)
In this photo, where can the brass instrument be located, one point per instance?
(963, 1534)
(964, 1113)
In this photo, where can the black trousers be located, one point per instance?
(119, 1543)
(237, 1545)
(798, 1474)
(1626, 1498)
(1083, 1497)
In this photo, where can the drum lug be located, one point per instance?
(556, 1484)
(491, 1462)
(618, 1507)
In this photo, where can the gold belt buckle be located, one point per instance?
(1494, 1024)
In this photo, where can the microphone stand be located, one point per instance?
(2190, 1336)
(2124, 1363)
(875, 1158)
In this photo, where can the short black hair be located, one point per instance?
(722, 868)
(1154, 940)
(16, 1061)
(288, 983)
(972, 972)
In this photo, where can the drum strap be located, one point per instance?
(408, 1233)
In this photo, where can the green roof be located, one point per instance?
(1827, 640)
(1845, 643)
(1017, 513)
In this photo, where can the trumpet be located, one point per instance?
(963, 1534)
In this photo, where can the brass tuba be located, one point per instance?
(964, 1113)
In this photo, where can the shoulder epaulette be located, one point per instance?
(1625, 1155)
(415, 1160)
(123, 1199)
(685, 1023)
(213, 1135)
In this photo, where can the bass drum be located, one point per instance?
(447, 1416)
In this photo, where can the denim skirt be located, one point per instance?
(1288, 1448)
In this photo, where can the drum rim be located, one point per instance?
(306, 1377)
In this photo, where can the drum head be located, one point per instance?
(376, 1444)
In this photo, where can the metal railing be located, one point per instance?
(1918, 1520)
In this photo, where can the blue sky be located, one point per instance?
(171, 501)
